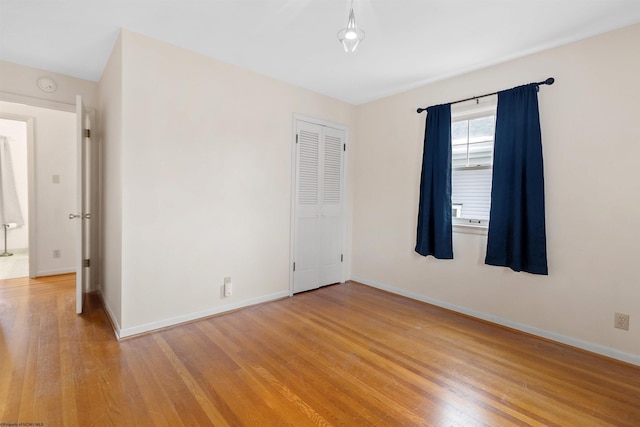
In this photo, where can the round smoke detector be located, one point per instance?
(47, 84)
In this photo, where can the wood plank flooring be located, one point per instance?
(344, 355)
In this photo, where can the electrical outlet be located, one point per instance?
(56, 253)
(228, 287)
(621, 321)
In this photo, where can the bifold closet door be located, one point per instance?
(318, 206)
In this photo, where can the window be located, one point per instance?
(472, 132)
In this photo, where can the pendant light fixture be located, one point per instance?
(351, 36)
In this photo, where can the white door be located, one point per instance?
(81, 216)
(331, 206)
(318, 205)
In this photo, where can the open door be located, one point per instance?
(81, 216)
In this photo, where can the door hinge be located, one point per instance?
(296, 138)
(341, 257)
(86, 263)
(344, 147)
(87, 133)
(294, 266)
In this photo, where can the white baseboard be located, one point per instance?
(172, 321)
(54, 272)
(112, 317)
(574, 342)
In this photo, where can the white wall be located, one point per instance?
(55, 154)
(591, 143)
(16, 131)
(23, 81)
(110, 111)
(205, 168)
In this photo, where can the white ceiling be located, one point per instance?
(408, 42)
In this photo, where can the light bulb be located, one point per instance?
(351, 35)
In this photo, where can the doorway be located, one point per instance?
(14, 196)
(318, 204)
(51, 148)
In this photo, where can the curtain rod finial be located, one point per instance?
(549, 81)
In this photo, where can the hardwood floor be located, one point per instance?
(344, 355)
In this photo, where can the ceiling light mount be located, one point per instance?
(351, 36)
(47, 84)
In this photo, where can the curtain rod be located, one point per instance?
(549, 81)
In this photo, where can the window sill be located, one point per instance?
(470, 229)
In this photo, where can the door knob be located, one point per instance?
(73, 216)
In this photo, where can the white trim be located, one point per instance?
(317, 121)
(45, 103)
(292, 197)
(54, 272)
(112, 317)
(472, 168)
(81, 182)
(345, 186)
(172, 321)
(37, 102)
(474, 108)
(481, 230)
(31, 170)
(573, 342)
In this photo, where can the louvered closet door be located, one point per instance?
(331, 207)
(318, 206)
(307, 233)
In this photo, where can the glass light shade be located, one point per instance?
(351, 36)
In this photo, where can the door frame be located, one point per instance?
(343, 215)
(31, 188)
(93, 282)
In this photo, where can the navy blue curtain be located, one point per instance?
(517, 237)
(434, 211)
